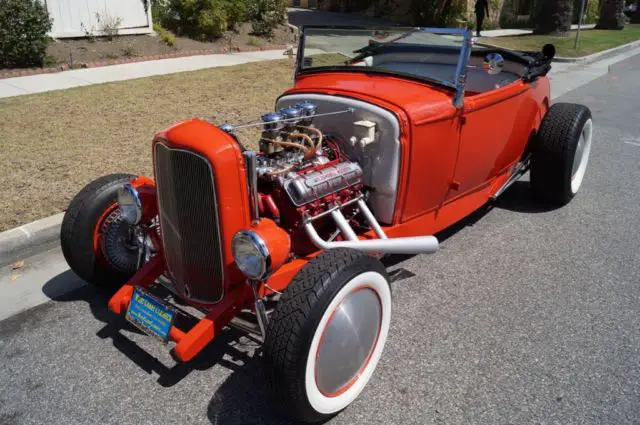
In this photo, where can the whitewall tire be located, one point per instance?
(561, 152)
(327, 333)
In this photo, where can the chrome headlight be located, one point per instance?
(130, 204)
(251, 255)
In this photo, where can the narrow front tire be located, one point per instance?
(93, 235)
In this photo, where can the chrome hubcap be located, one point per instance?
(348, 341)
(581, 157)
(118, 246)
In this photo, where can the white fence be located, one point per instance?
(69, 16)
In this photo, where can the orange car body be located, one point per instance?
(452, 161)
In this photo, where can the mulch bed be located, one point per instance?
(65, 54)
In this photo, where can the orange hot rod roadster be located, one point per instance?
(387, 137)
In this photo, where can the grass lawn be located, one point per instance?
(54, 143)
(591, 41)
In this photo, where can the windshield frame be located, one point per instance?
(458, 83)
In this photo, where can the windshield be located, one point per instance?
(435, 55)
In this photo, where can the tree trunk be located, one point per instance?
(554, 17)
(612, 16)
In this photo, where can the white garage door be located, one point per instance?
(69, 16)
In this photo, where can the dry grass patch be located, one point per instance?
(54, 143)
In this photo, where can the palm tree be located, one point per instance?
(612, 16)
(554, 17)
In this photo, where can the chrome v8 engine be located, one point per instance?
(301, 172)
(298, 158)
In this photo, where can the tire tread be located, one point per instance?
(291, 325)
(77, 228)
(552, 159)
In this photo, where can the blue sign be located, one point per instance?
(150, 314)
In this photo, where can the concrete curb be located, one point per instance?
(29, 239)
(599, 55)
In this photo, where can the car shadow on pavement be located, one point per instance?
(241, 399)
(244, 399)
(519, 198)
(222, 351)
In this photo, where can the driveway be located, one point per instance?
(299, 17)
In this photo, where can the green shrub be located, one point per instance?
(254, 42)
(203, 19)
(209, 19)
(210, 23)
(592, 12)
(165, 35)
(159, 11)
(199, 19)
(23, 33)
(236, 12)
(265, 15)
(437, 13)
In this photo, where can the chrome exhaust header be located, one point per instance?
(384, 245)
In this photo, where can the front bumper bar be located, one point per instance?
(188, 344)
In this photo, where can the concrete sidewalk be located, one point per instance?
(83, 77)
(510, 32)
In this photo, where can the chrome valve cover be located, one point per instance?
(314, 185)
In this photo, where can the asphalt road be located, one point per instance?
(526, 316)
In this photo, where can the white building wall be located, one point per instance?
(69, 15)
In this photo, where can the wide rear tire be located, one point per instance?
(92, 228)
(327, 333)
(561, 152)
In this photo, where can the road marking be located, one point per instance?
(632, 143)
(26, 232)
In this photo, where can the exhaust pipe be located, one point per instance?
(411, 245)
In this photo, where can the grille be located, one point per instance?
(189, 223)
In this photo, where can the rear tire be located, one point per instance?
(327, 333)
(561, 152)
(90, 212)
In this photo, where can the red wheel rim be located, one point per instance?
(98, 233)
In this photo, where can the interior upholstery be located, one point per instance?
(443, 67)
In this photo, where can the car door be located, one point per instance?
(495, 129)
